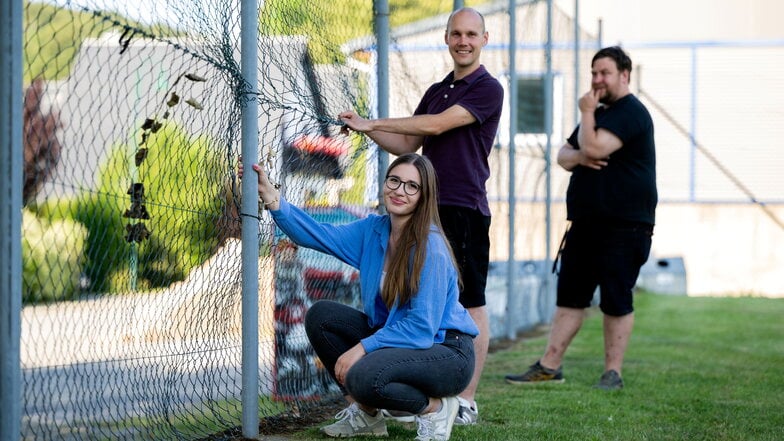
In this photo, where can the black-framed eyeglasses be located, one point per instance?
(409, 187)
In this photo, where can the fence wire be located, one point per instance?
(131, 324)
(131, 250)
(131, 225)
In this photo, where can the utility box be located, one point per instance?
(663, 275)
(528, 304)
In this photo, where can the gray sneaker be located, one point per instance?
(610, 380)
(401, 417)
(353, 421)
(466, 414)
(437, 426)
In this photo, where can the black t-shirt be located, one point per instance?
(624, 190)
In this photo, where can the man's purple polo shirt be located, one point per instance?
(459, 156)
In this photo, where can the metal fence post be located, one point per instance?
(381, 29)
(249, 25)
(10, 218)
(511, 331)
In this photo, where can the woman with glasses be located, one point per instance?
(410, 350)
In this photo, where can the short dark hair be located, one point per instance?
(622, 60)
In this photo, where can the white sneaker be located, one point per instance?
(466, 414)
(353, 421)
(402, 417)
(437, 426)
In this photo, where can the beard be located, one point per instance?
(606, 97)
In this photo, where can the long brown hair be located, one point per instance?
(402, 279)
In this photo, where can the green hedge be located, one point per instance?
(52, 258)
(183, 180)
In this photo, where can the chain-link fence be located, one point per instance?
(420, 58)
(131, 326)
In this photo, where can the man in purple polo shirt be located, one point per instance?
(455, 125)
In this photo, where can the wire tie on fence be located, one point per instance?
(254, 216)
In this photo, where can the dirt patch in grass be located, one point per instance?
(278, 427)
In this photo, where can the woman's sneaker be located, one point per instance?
(437, 426)
(353, 421)
(466, 414)
(401, 417)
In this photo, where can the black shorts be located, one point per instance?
(607, 256)
(468, 232)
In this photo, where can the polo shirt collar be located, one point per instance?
(475, 75)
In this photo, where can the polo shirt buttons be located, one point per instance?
(451, 86)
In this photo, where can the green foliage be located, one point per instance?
(331, 24)
(183, 195)
(53, 36)
(357, 170)
(697, 369)
(324, 23)
(52, 257)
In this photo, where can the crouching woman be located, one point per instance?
(410, 350)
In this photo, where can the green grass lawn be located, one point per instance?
(696, 369)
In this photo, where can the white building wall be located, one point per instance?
(729, 95)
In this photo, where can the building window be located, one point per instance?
(530, 104)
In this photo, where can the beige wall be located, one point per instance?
(732, 249)
(672, 20)
(727, 249)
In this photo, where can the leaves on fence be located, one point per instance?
(173, 100)
(193, 103)
(138, 232)
(137, 211)
(136, 191)
(140, 156)
(147, 124)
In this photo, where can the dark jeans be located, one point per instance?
(389, 378)
(604, 254)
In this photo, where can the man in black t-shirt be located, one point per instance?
(611, 203)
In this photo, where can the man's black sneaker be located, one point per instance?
(610, 380)
(537, 374)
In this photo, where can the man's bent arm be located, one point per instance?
(396, 143)
(570, 157)
(405, 135)
(426, 124)
(596, 143)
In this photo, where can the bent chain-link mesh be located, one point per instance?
(132, 283)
